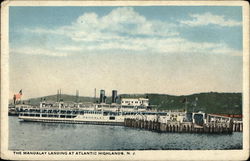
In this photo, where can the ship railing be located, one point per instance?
(46, 115)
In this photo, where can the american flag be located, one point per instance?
(19, 95)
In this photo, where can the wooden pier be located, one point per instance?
(184, 127)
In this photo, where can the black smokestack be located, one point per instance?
(114, 96)
(102, 96)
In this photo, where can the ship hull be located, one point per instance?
(71, 121)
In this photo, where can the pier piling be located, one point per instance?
(185, 127)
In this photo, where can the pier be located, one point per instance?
(184, 127)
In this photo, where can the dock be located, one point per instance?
(184, 127)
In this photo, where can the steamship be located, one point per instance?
(96, 113)
(102, 114)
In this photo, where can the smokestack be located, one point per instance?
(114, 96)
(102, 96)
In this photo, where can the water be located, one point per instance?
(57, 136)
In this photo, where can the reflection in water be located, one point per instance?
(59, 136)
(49, 125)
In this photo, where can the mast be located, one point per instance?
(186, 101)
(94, 95)
(57, 96)
(77, 96)
(60, 95)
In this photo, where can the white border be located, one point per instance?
(140, 155)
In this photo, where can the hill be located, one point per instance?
(65, 97)
(213, 102)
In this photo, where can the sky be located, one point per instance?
(176, 50)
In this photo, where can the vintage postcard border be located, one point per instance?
(139, 155)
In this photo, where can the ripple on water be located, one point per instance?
(56, 136)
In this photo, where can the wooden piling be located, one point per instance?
(184, 127)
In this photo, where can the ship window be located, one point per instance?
(111, 118)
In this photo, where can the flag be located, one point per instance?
(19, 95)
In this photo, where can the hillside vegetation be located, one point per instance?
(213, 102)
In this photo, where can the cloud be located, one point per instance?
(123, 21)
(154, 45)
(209, 18)
(38, 51)
(124, 29)
(118, 23)
(224, 49)
(69, 48)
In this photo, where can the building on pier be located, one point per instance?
(135, 102)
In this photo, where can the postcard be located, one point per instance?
(125, 80)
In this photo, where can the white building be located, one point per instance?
(134, 101)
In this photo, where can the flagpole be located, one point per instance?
(186, 104)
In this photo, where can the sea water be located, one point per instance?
(59, 136)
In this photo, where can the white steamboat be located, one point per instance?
(97, 113)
